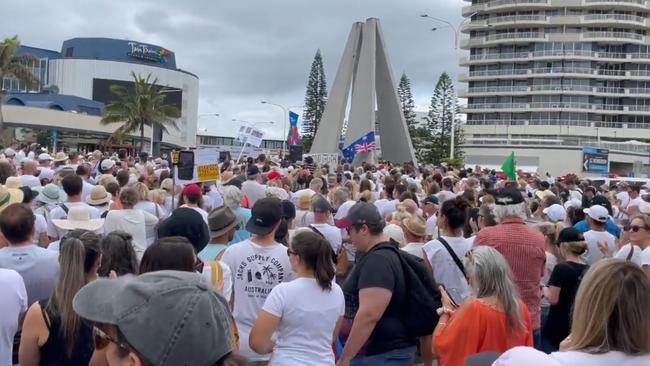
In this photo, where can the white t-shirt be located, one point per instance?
(85, 190)
(308, 316)
(30, 181)
(303, 219)
(635, 202)
(386, 207)
(253, 190)
(226, 289)
(415, 249)
(40, 226)
(332, 234)
(14, 302)
(593, 238)
(155, 210)
(625, 251)
(645, 257)
(445, 270)
(256, 270)
(577, 358)
(432, 226)
(58, 213)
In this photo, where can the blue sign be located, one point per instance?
(595, 160)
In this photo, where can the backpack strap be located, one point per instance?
(216, 275)
(65, 209)
(453, 255)
(630, 254)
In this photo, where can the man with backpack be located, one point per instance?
(222, 223)
(390, 300)
(73, 187)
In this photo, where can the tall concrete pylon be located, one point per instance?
(364, 72)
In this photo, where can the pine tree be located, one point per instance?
(315, 99)
(406, 102)
(442, 113)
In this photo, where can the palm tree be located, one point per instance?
(13, 66)
(142, 106)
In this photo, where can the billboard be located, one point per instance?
(595, 160)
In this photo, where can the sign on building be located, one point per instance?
(595, 160)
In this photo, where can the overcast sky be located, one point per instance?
(246, 51)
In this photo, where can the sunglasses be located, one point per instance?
(101, 340)
(635, 228)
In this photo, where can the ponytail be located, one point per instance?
(316, 254)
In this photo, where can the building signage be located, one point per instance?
(595, 160)
(146, 52)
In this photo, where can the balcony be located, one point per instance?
(582, 107)
(614, 37)
(500, 4)
(614, 19)
(556, 54)
(515, 37)
(622, 4)
(558, 122)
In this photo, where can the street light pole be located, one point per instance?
(284, 128)
(456, 31)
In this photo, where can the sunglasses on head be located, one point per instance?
(101, 340)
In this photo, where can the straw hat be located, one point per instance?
(79, 218)
(13, 182)
(9, 196)
(60, 156)
(415, 225)
(98, 196)
(304, 201)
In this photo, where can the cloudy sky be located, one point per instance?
(247, 50)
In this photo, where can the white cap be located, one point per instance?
(555, 213)
(597, 213)
(644, 208)
(107, 164)
(44, 157)
(10, 152)
(575, 203)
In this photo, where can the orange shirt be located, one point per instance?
(475, 328)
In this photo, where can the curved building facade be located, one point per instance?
(558, 75)
(85, 68)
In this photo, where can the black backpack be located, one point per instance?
(423, 297)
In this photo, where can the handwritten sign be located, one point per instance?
(208, 172)
(322, 159)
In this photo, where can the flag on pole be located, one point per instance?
(364, 144)
(509, 167)
(294, 136)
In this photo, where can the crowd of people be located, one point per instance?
(106, 260)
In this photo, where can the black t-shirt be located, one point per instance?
(380, 268)
(567, 277)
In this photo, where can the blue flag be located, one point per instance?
(364, 144)
(294, 136)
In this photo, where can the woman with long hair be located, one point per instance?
(561, 287)
(53, 334)
(610, 323)
(118, 256)
(306, 312)
(638, 248)
(495, 320)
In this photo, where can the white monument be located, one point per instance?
(364, 72)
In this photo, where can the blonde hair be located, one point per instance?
(409, 206)
(143, 191)
(158, 196)
(611, 310)
(401, 215)
(366, 196)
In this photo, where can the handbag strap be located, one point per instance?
(631, 253)
(453, 255)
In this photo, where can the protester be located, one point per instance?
(28, 177)
(192, 197)
(130, 220)
(232, 197)
(610, 225)
(118, 256)
(443, 255)
(53, 334)
(305, 312)
(430, 207)
(637, 249)
(39, 267)
(496, 320)
(596, 236)
(78, 218)
(251, 188)
(562, 286)
(322, 211)
(609, 325)
(222, 223)
(414, 234)
(375, 292)
(521, 246)
(72, 186)
(12, 308)
(100, 199)
(259, 264)
(192, 326)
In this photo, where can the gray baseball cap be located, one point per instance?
(169, 317)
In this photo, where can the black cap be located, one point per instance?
(188, 223)
(431, 199)
(544, 184)
(361, 213)
(28, 194)
(569, 234)
(507, 196)
(288, 210)
(252, 170)
(265, 216)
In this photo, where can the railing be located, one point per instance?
(610, 90)
(553, 105)
(496, 3)
(625, 35)
(563, 105)
(515, 35)
(639, 91)
(563, 70)
(559, 53)
(517, 18)
(499, 56)
(498, 72)
(561, 140)
(498, 89)
(559, 122)
(639, 73)
(621, 17)
(498, 106)
(638, 108)
(638, 2)
(582, 88)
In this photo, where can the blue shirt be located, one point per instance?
(241, 234)
(610, 227)
(211, 251)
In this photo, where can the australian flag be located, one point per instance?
(364, 144)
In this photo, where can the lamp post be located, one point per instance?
(456, 30)
(284, 125)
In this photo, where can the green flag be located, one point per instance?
(509, 168)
